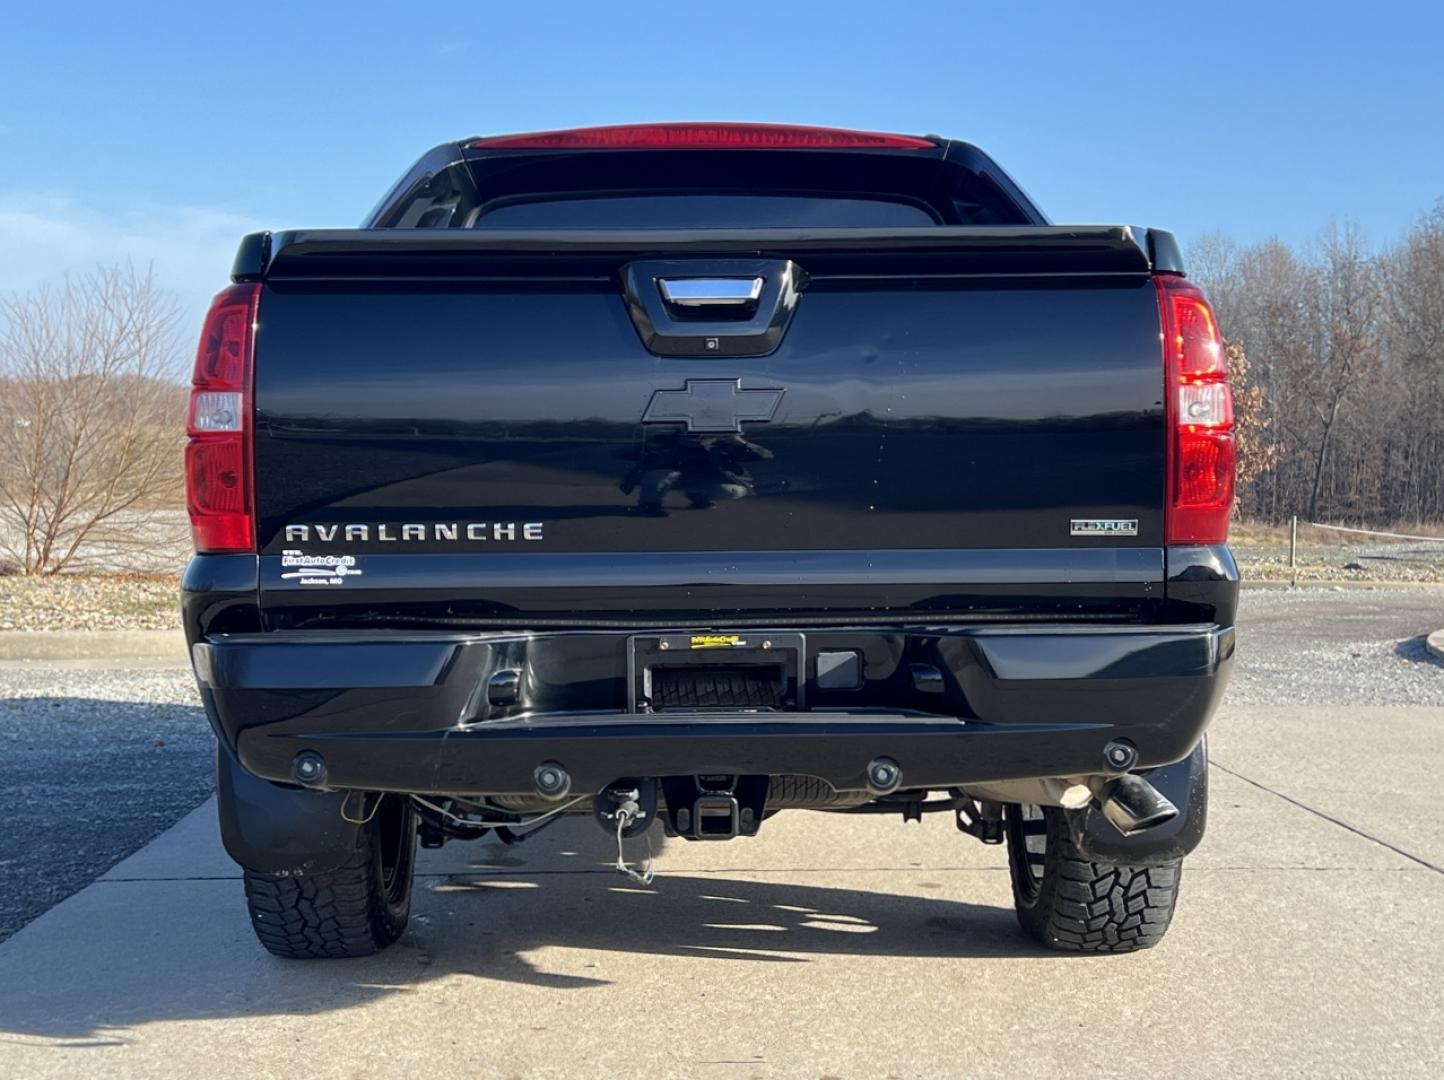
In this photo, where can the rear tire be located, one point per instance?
(1072, 904)
(355, 910)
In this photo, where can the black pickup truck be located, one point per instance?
(681, 474)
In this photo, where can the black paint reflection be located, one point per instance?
(705, 469)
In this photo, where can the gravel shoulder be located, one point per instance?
(1396, 565)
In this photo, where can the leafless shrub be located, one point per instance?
(90, 416)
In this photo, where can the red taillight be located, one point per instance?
(219, 490)
(704, 137)
(1199, 408)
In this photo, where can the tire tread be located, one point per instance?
(342, 913)
(1086, 906)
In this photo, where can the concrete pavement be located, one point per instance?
(830, 946)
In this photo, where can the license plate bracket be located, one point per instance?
(707, 652)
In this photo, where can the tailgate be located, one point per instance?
(499, 428)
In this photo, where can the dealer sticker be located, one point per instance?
(306, 569)
(717, 641)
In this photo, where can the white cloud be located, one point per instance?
(44, 237)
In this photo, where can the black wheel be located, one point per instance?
(1072, 904)
(355, 910)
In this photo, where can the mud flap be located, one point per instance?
(1185, 784)
(283, 831)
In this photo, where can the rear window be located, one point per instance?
(701, 189)
(706, 211)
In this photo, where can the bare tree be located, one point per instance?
(1413, 284)
(1342, 310)
(1346, 348)
(89, 415)
(1258, 293)
(1214, 262)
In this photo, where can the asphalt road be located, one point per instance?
(94, 763)
(1306, 942)
(1338, 647)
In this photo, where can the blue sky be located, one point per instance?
(161, 132)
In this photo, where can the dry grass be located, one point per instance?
(1326, 555)
(1261, 534)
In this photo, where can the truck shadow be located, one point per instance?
(165, 950)
(726, 915)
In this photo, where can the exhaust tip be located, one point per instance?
(1133, 805)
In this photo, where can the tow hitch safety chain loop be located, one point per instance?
(625, 813)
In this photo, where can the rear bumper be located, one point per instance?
(409, 712)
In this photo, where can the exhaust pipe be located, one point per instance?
(1133, 805)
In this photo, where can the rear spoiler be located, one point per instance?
(596, 254)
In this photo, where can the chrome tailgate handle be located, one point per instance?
(711, 307)
(710, 292)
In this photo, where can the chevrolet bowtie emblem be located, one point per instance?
(712, 405)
